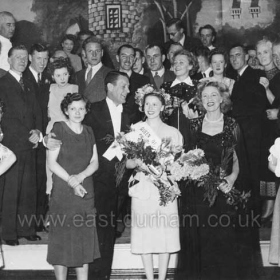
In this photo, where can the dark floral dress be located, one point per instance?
(208, 235)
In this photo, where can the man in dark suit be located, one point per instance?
(126, 58)
(22, 126)
(107, 117)
(91, 80)
(38, 76)
(207, 35)
(249, 104)
(157, 73)
(175, 31)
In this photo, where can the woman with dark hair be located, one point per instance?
(183, 88)
(73, 241)
(154, 227)
(67, 44)
(207, 234)
(218, 59)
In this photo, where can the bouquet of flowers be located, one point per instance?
(216, 177)
(155, 154)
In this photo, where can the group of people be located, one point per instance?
(60, 110)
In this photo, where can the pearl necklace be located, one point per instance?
(219, 119)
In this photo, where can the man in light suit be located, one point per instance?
(106, 117)
(91, 80)
(22, 126)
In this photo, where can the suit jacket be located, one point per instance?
(130, 107)
(168, 76)
(248, 95)
(99, 119)
(42, 93)
(22, 113)
(95, 90)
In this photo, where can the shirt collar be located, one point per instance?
(35, 73)
(182, 41)
(95, 67)
(187, 81)
(113, 106)
(242, 70)
(160, 72)
(4, 39)
(15, 75)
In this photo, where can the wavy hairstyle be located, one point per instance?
(191, 58)
(223, 90)
(59, 63)
(69, 99)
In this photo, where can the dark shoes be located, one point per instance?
(11, 242)
(31, 237)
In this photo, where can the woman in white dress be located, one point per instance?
(155, 228)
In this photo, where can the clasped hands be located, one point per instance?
(227, 184)
(75, 182)
(35, 137)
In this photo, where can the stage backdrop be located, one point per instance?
(140, 22)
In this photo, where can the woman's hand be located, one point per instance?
(272, 114)
(189, 113)
(264, 82)
(73, 181)
(79, 190)
(141, 165)
(228, 183)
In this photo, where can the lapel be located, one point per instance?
(97, 78)
(238, 85)
(152, 81)
(105, 116)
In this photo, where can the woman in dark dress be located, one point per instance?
(72, 237)
(207, 234)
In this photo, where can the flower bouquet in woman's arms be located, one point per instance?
(153, 157)
(217, 180)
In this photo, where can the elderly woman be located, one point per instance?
(208, 233)
(271, 83)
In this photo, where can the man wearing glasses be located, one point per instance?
(91, 79)
(175, 31)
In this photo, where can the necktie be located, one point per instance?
(237, 77)
(21, 83)
(157, 80)
(39, 78)
(89, 74)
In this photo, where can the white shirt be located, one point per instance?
(94, 68)
(6, 45)
(35, 73)
(242, 70)
(15, 75)
(116, 115)
(160, 72)
(182, 41)
(187, 81)
(211, 47)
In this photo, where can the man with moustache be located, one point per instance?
(22, 126)
(91, 79)
(39, 77)
(7, 30)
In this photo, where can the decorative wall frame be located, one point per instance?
(113, 16)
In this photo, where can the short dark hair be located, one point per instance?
(140, 52)
(71, 97)
(58, 64)
(219, 50)
(178, 23)
(155, 46)
(239, 45)
(70, 37)
(15, 48)
(38, 48)
(85, 32)
(208, 26)
(175, 44)
(191, 58)
(112, 77)
(92, 39)
(202, 51)
(125, 46)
